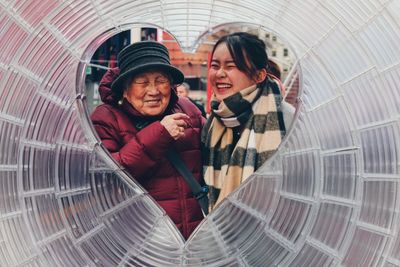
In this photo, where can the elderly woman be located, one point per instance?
(142, 119)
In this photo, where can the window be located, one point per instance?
(273, 53)
(148, 34)
(285, 52)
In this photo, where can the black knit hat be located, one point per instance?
(143, 56)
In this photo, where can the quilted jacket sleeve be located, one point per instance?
(105, 124)
(141, 153)
(145, 150)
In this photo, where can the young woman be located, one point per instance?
(246, 123)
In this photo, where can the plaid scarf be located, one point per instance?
(256, 113)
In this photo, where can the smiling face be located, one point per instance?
(226, 79)
(149, 92)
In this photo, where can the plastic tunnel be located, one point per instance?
(329, 196)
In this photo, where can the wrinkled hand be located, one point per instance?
(175, 124)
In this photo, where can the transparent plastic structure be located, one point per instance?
(329, 196)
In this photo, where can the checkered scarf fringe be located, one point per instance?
(257, 111)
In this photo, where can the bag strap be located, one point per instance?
(200, 192)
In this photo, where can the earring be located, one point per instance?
(120, 102)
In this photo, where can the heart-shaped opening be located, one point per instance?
(194, 65)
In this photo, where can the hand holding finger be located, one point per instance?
(175, 124)
(177, 132)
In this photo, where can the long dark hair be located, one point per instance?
(248, 52)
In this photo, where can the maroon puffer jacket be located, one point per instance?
(142, 152)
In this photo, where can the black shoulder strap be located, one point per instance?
(198, 191)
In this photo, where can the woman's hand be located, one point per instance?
(175, 124)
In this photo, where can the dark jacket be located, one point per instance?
(139, 144)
